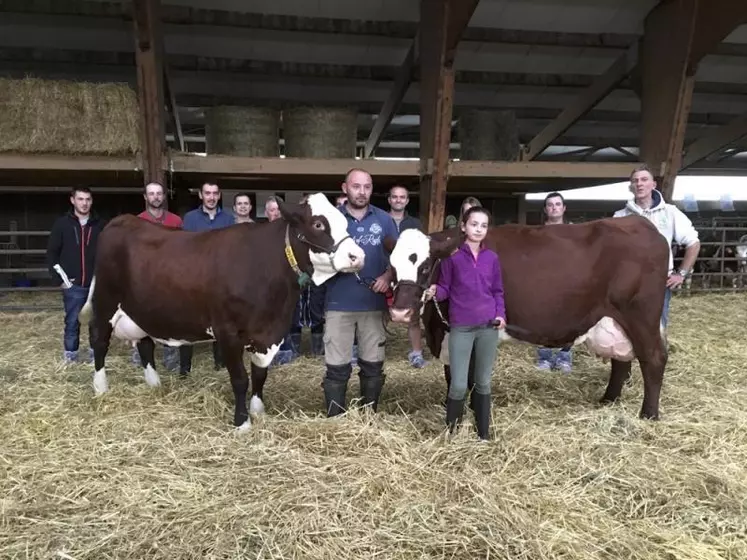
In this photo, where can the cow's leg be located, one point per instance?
(260, 363)
(147, 350)
(100, 332)
(619, 374)
(233, 357)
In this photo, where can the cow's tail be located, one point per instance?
(87, 312)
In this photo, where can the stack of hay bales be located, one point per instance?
(66, 117)
(242, 131)
(320, 132)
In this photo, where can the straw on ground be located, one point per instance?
(144, 473)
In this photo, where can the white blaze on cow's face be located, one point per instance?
(348, 257)
(412, 249)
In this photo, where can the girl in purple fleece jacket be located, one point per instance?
(471, 280)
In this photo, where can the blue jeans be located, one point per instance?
(665, 310)
(73, 300)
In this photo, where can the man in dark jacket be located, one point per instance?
(71, 253)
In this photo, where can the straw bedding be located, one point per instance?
(67, 117)
(161, 474)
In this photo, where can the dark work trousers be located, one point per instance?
(185, 357)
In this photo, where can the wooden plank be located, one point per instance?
(173, 110)
(54, 162)
(149, 60)
(586, 101)
(713, 140)
(244, 166)
(542, 170)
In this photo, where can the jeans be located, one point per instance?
(73, 299)
(461, 340)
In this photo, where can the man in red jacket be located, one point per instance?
(71, 253)
(155, 212)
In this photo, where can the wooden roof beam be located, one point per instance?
(459, 15)
(586, 101)
(713, 140)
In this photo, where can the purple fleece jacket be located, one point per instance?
(474, 287)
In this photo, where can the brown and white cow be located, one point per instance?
(237, 286)
(601, 283)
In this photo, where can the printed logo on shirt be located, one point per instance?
(361, 229)
(373, 237)
(375, 228)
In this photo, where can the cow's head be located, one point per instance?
(413, 258)
(324, 230)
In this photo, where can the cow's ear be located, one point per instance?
(292, 213)
(389, 243)
(442, 247)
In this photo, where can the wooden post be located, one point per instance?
(149, 59)
(441, 24)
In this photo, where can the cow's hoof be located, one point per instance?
(256, 406)
(245, 427)
(100, 384)
(643, 415)
(607, 400)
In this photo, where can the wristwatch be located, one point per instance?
(683, 272)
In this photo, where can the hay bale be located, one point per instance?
(320, 132)
(66, 117)
(488, 135)
(243, 131)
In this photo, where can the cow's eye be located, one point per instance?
(318, 225)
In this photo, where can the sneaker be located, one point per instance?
(70, 356)
(416, 359)
(544, 365)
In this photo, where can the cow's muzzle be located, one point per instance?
(400, 315)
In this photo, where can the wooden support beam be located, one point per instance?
(442, 23)
(586, 101)
(459, 17)
(677, 35)
(666, 87)
(149, 60)
(713, 140)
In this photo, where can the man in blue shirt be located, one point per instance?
(208, 215)
(356, 304)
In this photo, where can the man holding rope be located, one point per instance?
(355, 303)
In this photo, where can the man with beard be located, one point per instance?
(71, 254)
(208, 215)
(398, 200)
(155, 212)
(356, 303)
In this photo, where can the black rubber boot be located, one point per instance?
(317, 344)
(372, 380)
(447, 376)
(335, 387)
(334, 396)
(481, 406)
(454, 410)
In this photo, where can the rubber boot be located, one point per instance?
(334, 396)
(481, 406)
(371, 380)
(317, 344)
(335, 385)
(454, 410)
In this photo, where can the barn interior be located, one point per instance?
(491, 98)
